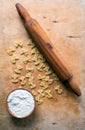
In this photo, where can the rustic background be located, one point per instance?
(63, 20)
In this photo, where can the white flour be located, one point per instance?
(21, 103)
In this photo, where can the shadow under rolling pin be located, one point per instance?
(45, 45)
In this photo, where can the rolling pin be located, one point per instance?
(45, 45)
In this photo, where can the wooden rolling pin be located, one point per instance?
(45, 45)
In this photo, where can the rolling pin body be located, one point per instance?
(45, 46)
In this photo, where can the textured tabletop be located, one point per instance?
(64, 23)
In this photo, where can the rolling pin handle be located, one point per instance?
(23, 12)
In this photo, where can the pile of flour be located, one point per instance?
(21, 103)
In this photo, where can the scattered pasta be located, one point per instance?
(33, 60)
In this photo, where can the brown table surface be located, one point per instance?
(63, 20)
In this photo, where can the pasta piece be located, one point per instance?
(18, 44)
(29, 69)
(33, 86)
(42, 95)
(46, 69)
(14, 59)
(34, 59)
(42, 65)
(60, 91)
(11, 51)
(48, 91)
(37, 63)
(57, 87)
(43, 60)
(40, 56)
(30, 43)
(28, 75)
(15, 76)
(46, 78)
(31, 79)
(33, 46)
(34, 92)
(38, 100)
(50, 81)
(14, 80)
(30, 83)
(17, 71)
(48, 72)
(39, 69)
(26, 60)
(44, 85)
(40, 91)
(22, 78)
(19, 67)
(55, 77)
(24, 52)
(37, 52)
(41, 77)
(23, 82)
(49, 96)
(33, 51)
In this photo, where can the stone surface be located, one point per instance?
(63, 21)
